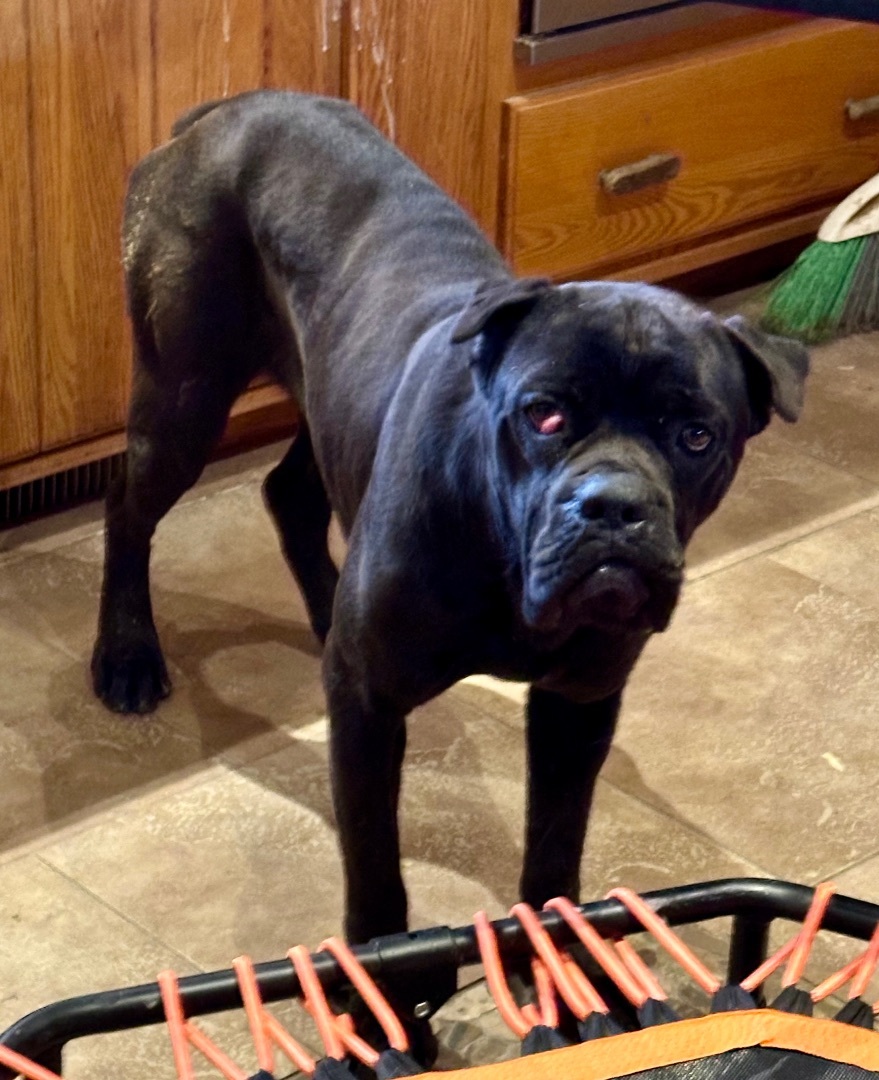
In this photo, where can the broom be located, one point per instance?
(833, 287)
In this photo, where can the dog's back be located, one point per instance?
(277, 229)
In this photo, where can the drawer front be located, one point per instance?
(601, 173)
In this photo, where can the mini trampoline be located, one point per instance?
(585, 1005)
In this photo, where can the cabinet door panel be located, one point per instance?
(91, 120)
(19, 386)
(206, 49)
(303, 45)
(431, 76)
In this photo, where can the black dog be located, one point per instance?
(517, 466)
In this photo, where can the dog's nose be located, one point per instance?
(617, 500)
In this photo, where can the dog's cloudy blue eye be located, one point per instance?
(696, 438)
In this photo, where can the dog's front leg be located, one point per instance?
(567, 745)
(367, 744)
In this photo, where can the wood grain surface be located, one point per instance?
(303, 45)
(431, 74)
(760, 128)
(91, 122)
(87, 88)
(204, 49)
(19, 385)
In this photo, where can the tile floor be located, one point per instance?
(747, 746)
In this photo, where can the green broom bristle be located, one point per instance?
(809, 299)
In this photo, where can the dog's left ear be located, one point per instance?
(492, 313)
(776, 369)
(492, 298)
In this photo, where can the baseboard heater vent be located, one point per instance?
(60, 491)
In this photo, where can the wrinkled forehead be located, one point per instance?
(638, 335)
(637, 320)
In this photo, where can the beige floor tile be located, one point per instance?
(62, 756)
(268, 828)
(843, 557)
(247, 860)
(54, 596)
(46, 534)
(464, 805)
(779, 489)
(839, 421)
(58, 941)
(228, 614)
(861, 882)
(751, 720)
(218, 868)
(217, 553)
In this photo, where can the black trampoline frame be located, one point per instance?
(422, 966)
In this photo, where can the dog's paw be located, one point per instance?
(130, 677)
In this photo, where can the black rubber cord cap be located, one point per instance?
(597, 1026)
(794, 1001)
(654, 1012)
(541, 1038)
(731, 998)
(857, 1013)
(394, 1063)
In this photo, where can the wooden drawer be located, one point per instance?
(760, 128)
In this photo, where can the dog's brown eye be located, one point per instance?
(546, 418)
(696, 438)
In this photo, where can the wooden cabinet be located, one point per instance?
(752, 107)
(613, 170)
(90, 120)
(19, 388)
(88, 87)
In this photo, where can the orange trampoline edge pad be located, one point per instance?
(687, 1040)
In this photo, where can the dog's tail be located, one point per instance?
(189, 118)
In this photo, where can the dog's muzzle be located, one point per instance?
(607, 556)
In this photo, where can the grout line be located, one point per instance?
(513, 693)
(187, 776)
(776, 542)
(508, 691)
(790, 441)
(848, 867)
(153, 937)
(696, 830)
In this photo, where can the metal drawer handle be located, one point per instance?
(655, 169)
(863, 109)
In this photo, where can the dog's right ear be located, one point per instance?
(776, 369)
(493, 312)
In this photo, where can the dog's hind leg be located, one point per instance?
(295, 495)
(172, 430)
(201, 332)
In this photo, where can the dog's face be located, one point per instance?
(619, 416)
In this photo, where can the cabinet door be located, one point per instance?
(215, 48)
(431, 76)
(87, 88)
(303, 45)
(19, 390)
(205, 49)
(91, 120)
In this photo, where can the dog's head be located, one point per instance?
(619, 415)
